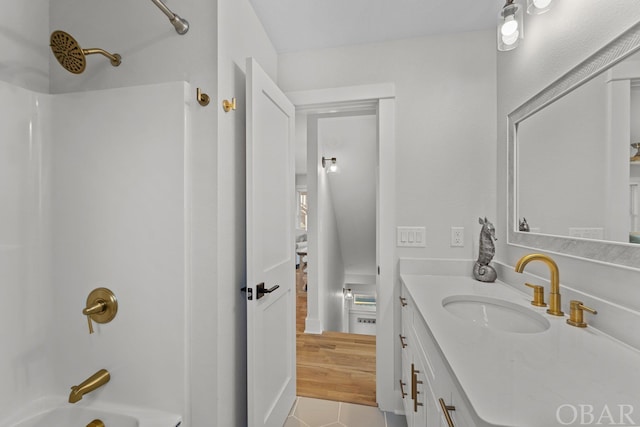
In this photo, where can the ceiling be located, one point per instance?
(295, 25)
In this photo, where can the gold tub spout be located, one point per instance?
(555, 306)
(96, 380)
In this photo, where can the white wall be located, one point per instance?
(331, 261)
(352, 139)
(325, 274)
(24, 43)
(445, 137)
(554, 43)
(151, 50)
(120, 219)
(25, 305)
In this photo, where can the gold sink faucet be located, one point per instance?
(96, 380)
(555, 306)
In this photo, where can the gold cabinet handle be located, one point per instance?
(414, 388)
(413, 382)
(576, 317)
(538, 295)
(445, 410)
(402, 392)
(402, 343)
(403, 301)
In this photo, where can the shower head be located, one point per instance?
(71, 56)
(181, 25)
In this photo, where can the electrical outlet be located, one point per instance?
(457, 236)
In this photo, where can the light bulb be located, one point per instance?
(538, 7)
(541, 4)
(333, 167)
(509, 27)
(510, 39)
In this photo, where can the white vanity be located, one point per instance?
(484, 350)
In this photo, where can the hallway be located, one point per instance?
(333, 366)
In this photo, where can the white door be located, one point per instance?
(271, 357)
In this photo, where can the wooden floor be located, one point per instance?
(334, 365)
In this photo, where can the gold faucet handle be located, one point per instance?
(101, 307)
(538, 295)
(576, 315)
(97, 308)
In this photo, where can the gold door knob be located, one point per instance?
(576, 315)
(538, 295)
(102, 307)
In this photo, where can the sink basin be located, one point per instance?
(495, 313)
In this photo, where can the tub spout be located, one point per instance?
(96, 380)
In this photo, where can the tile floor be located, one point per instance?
(307, 412)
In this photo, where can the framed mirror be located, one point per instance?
(572, 172)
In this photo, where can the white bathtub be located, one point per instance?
(57, 412)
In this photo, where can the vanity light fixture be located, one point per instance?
(510, 26)
(330, 164)
(348, 294)
(538, 7)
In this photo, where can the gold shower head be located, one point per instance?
(71, 56)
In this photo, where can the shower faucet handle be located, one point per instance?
(102, 307)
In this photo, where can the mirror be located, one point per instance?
(570, 169)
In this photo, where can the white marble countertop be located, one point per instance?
(524, 379)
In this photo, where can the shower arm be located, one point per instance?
(181, 25)
(115, 58)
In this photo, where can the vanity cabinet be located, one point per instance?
(430, 391)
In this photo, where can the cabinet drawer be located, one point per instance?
(436, 367)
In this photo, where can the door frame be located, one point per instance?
(387, 288)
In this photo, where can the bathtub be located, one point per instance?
(57, 412)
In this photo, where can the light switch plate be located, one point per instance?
(411, 237)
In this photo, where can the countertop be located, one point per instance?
(529, 379)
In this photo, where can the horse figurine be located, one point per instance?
(482, 271)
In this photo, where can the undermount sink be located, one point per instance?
(495, 313)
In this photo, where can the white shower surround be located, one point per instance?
(84, 177)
